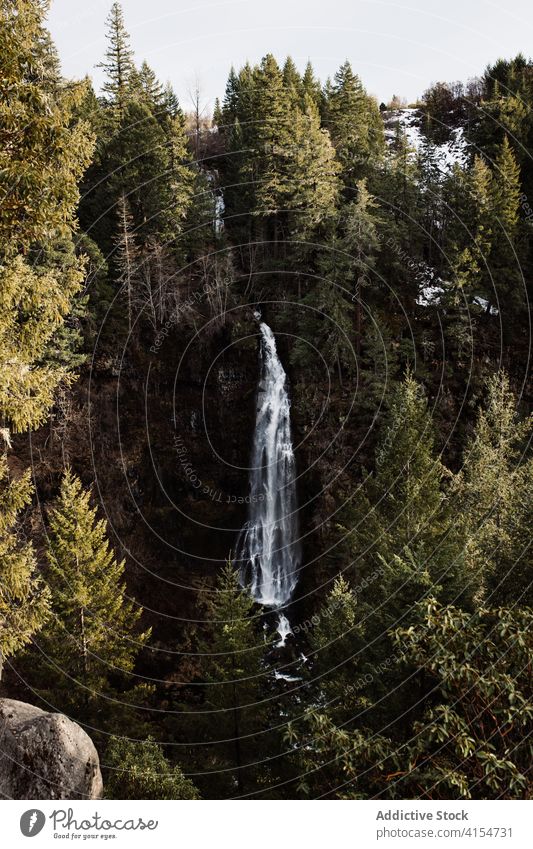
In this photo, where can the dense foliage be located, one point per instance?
(135, 237)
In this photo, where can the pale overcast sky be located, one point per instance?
(396, 47)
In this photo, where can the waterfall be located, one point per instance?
(268, 551)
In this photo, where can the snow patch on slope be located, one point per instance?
(409, 120)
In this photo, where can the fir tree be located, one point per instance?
(182, 175)
(272, 137)
(231, 99)
(33, 306)
(150, 85)
(292, 80)
(234, 676)
(406, 488)
(334, 319)
(472, 271)
(139, 159)
(118, 64)
(311, 87)
(506, 189)
(360, 240)
(493, 493)
(43, 153)
(24, 599)
(313, 185)
(508, 255)
(94, 636)
(336, 642)
(143, 156)
(170, 103)
(239, 168)
(397, 184)
(354, 122)
(400, 532)
(328, 320)
(218, 114)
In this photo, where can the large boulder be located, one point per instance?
(45, 755)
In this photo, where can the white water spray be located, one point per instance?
(268, 551)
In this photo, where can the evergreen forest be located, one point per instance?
(150, 251)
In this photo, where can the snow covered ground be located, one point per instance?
(431, 286)
(409, 120)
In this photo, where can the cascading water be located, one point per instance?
(268, 551)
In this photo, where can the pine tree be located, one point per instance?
(43, 152)
(334, 320)
(182, 174)
(118, 64)
(272, 137)
(231, 98)
(218, 115)
(508, 256)
(24, 599)
(406, 490)
(139, 770)
(354, 122)
(94, 635)
(336, 642)
(311, 87)
(292, 80)
(234, 675)
(138, 158)
(506, 189)
(400, 533)
(360, 240)
(494, 497)
(312, 172)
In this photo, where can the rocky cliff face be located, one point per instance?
(45, 756)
